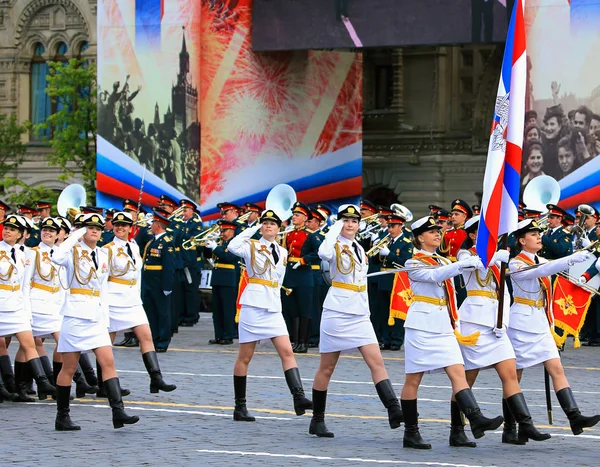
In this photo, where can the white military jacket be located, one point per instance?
(12, 275)
(348, 291)
(42, 282)
(526, 284)
(125, 273)
(479, 309)
(260, 266)
(429, 283)
(87, 294)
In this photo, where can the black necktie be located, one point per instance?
(275, 255)
(537, 260)
(22, 248)
(94, 259)
(129, 251)
(51, 251)
(357, 251)
(12, 255)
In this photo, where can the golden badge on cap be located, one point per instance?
(431, 221)
(95, 219)
(12, 219)
(269, 213)
(351, 210)
(120, 217)
(49, 222)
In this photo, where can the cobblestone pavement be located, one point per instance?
(193, 426)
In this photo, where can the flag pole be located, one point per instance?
(502, 284)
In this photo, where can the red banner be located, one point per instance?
(570, 303)
(401, 297)
(241, 287)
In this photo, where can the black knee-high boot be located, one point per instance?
(317, 423)
(303, 330)
(8, 375)
(156, 380)
(509, 433)
(479, 423)
(57, 367)
(527, 430)
(21, 370)
(101, 391)
(43, 385)
(388, 398)
(412, 435)
(88, 369)
(458, 437)
(240, 412)
(63, 419)
(120, 417)
(81, 385)
(47, 366)
(301, 403)
(577, 421)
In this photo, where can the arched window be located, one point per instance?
(84, 46)
(40, 102)
(61, 51)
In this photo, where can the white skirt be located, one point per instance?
(46, 325)
(488, 351)
(532, 349)
(428, 352)
(257, 324)
(80, 335)
(126, 317)
(343, 331)
(12, 322)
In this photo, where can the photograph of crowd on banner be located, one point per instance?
(290, 117)
(562, 124)
(148, 118)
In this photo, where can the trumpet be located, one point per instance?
(177, 213)
(378, 246)
(202, 238)
(144, 220)
(244, 217)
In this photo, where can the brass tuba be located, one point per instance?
(70, 199)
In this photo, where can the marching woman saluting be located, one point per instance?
(124, 299)
(346, 323)
(478, 314)
(15, 314)
(531, 321)
(431, 335)
(260, 316)
(85, 319)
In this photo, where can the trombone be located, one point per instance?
(201, 239)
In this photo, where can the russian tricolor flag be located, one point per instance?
(502, 181)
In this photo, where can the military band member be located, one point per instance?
(108, 234)
(442, 218)
(224, 282)
(190, 226)
(313, 224)
(589, 225)
(124, 297)
(345, 322)
(15, 315)
(557, 241)
(431, 340)
(399, 250)
(254, 211)
(476, 209)
(531, 317)
(85, 320)
(479, 313)
(299, 278)
(33, 232)
(157, 282)
(230, 213)
(260, 316)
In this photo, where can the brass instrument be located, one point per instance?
(402, 211)
(176, 215)
(69, 201)
(379, 245)
(201, 239)
(244, 217)
(541, 191)
(144, 220)
(585, 211)
(287, 290)
(368, 225)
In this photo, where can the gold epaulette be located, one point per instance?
(407, 240)
(168, 238)
(108, 245)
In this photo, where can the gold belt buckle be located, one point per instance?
(441, 301)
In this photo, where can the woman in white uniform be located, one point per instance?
(85, 319)
(345, 322)
(15, 315)
(260, 316)
(479, 314)
(431, 335)
(124, 298)
(531, 319)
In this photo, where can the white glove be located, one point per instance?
(471, 262)
(384, 251)
(500, 332)
(167, 292)
(374, 237)
(501, 256)
(256, 228)
(579, 257)
(211, 245)
(296, 265)
(585, 242)
(582, 280)
(598, 264)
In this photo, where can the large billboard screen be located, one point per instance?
(562, 134)
(329, 24)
